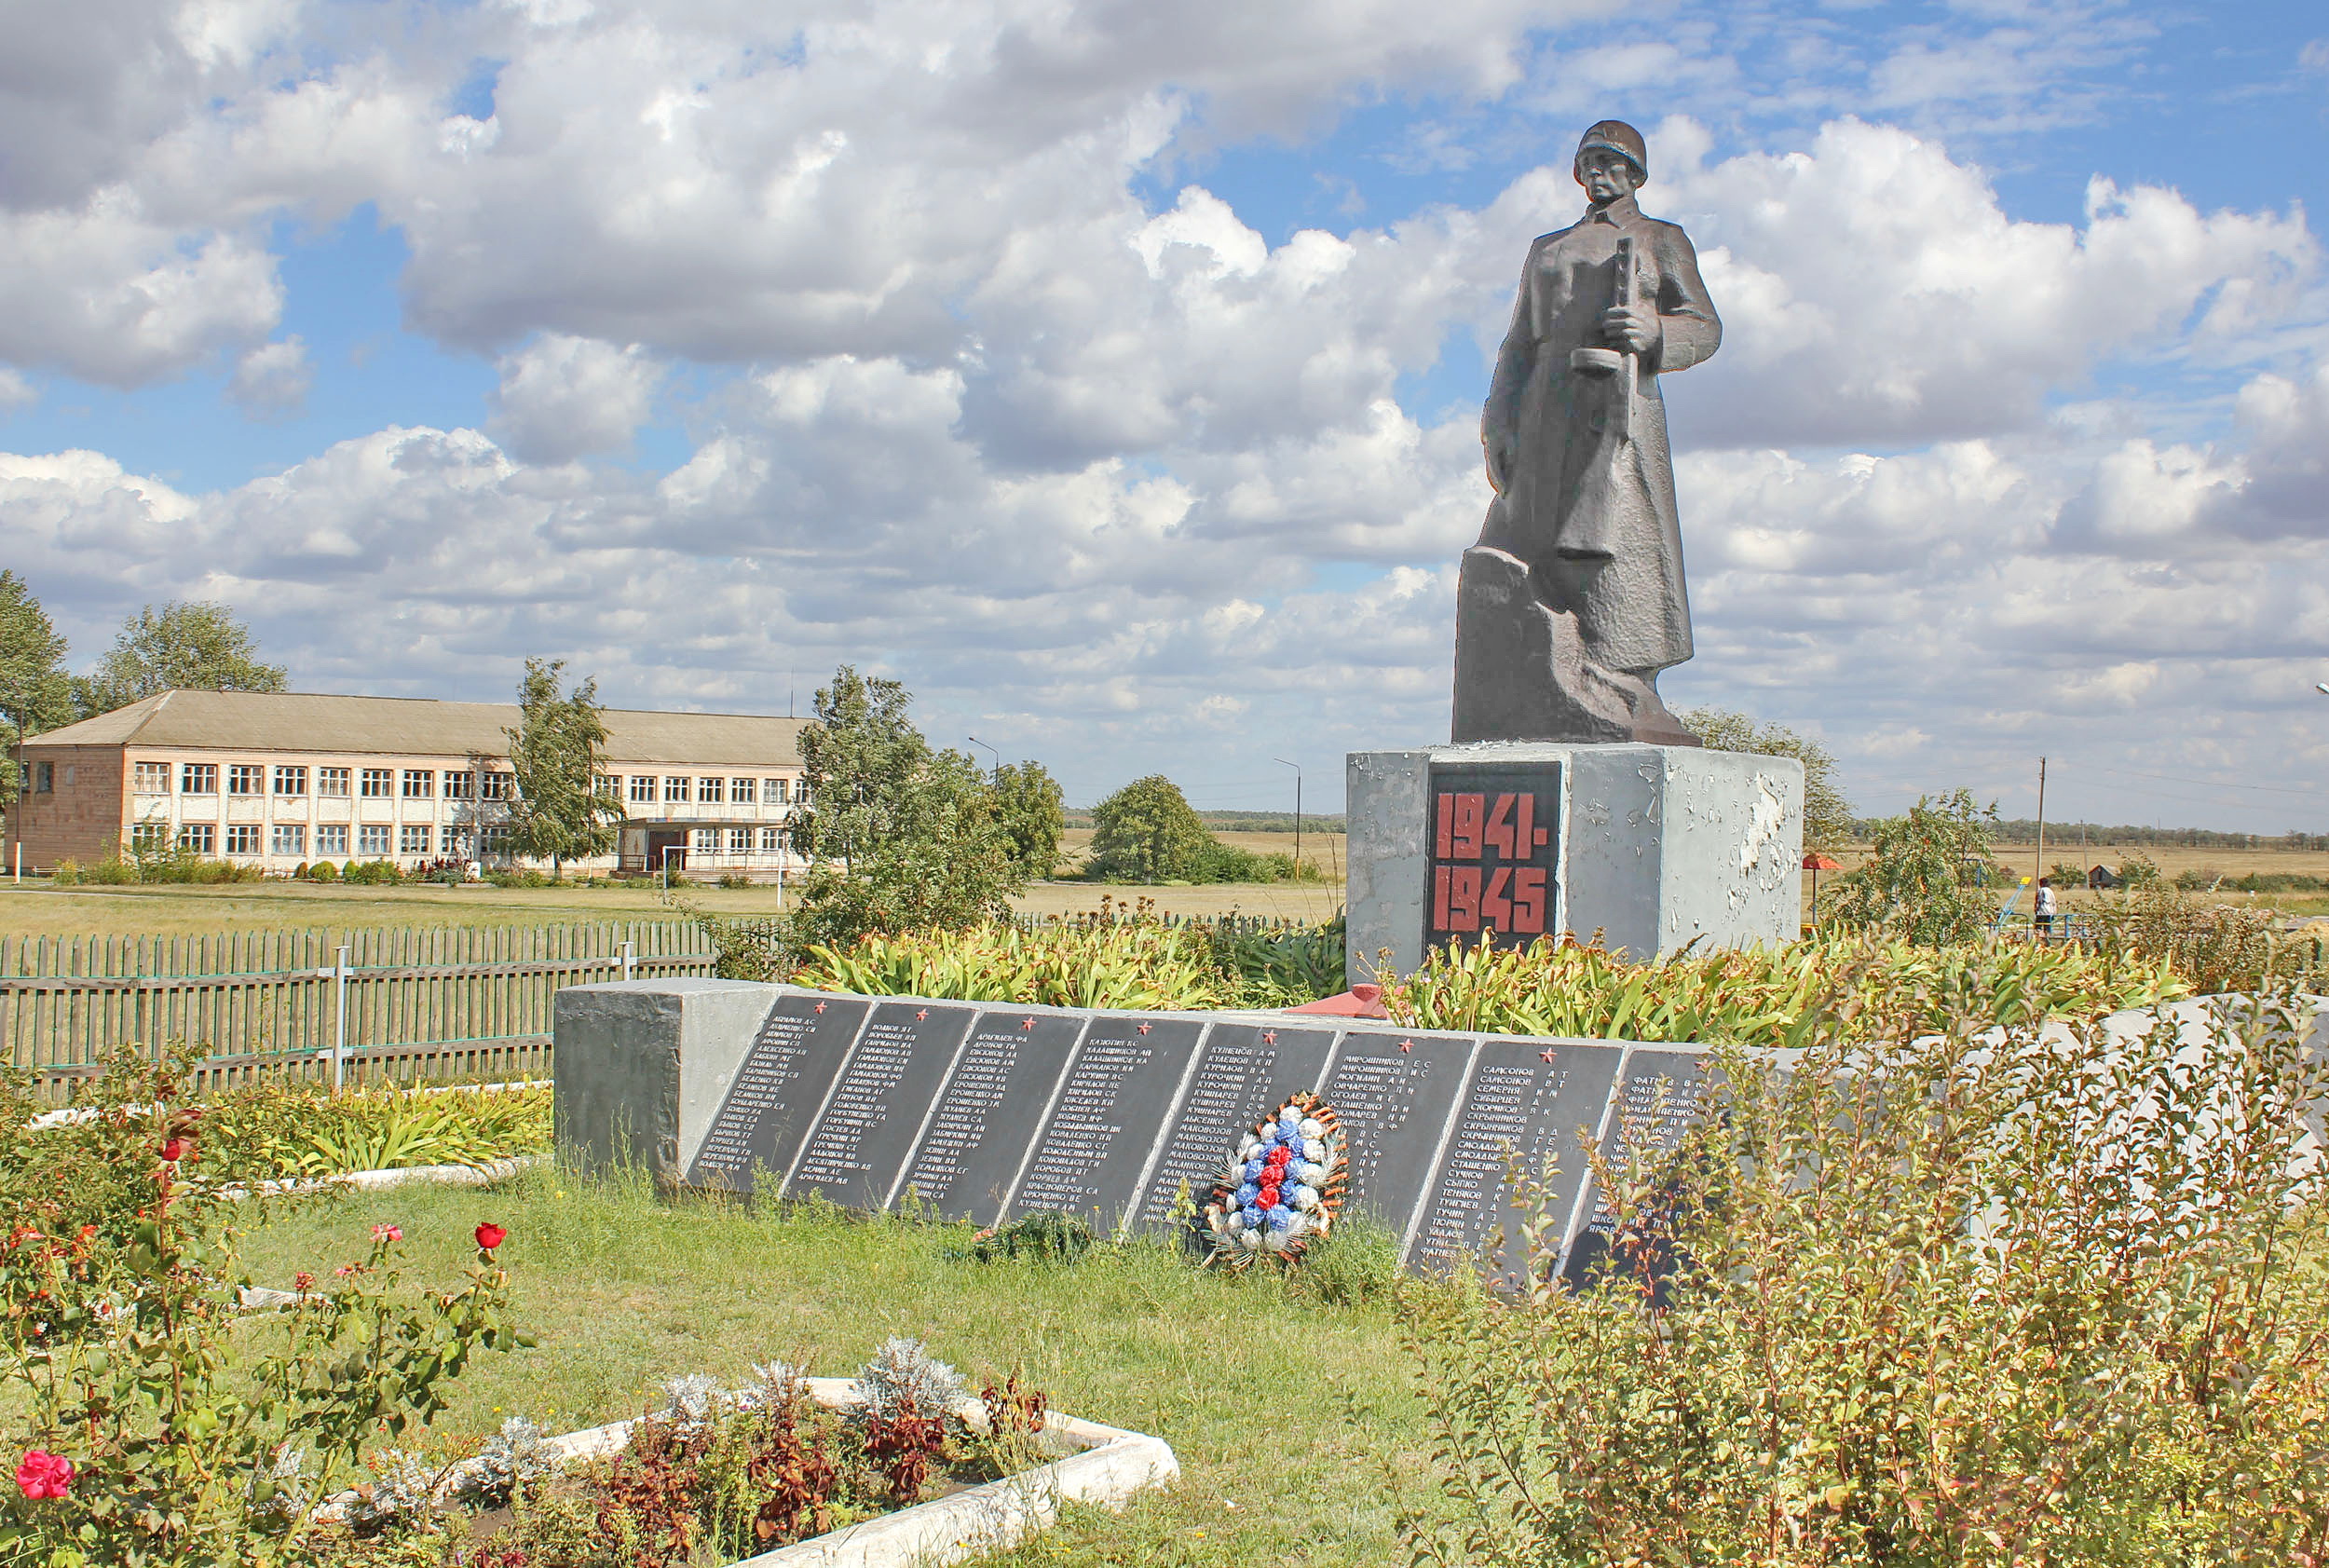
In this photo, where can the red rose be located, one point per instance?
(176, 1149)
(43, 1474)
(490, 1235)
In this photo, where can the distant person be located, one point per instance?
(2044, 918)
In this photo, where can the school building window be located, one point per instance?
(198, 778)
(245, 778)
(498, 837)
(289, 780)
(707, 839)
(150, 838)
(332, 839)
(771, 839)
(497, 786)
(675, 789)
(607, 785)
(460, 785)
(710, 790)
(739, 841)
(331, 781)
(243, 838)
(413, 839)
(373, 839)
(419, 782)
(44, 778)
(778, 791)
(153, 778)
(379, 782)
(198, 837)
(742, 790)
(291, 839)
(642, 789)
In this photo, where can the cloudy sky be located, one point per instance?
(1111, 371)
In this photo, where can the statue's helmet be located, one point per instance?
(1619, 138)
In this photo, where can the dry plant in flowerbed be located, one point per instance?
(710, 1475)
(1932, 1291)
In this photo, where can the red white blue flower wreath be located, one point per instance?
(1281, 1189)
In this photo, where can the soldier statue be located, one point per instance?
(1573, 601)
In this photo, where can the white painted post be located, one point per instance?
(339, 1019)
(627, 961)
(20, 860)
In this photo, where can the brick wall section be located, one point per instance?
(81, 818)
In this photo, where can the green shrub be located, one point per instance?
(324, 871)
(1950, 1295)
(2217, 948)
(1759, 995)
(1930, 877)
(174, 1428)
(372, 873)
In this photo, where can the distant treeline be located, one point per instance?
(2024, 830)
(1242, 822)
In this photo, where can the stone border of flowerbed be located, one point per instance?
(1109, 1465)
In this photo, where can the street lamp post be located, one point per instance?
(1298, 810)
(992, 752)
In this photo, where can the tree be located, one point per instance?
(905, 839)
(1827, 815)
(186, 645)
(1028, 804)
(36, 693)
(1928, 876)
(1147, 832)
(559, 814)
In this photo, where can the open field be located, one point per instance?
(1291, 1415)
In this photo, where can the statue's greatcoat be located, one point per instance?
(1592, 515)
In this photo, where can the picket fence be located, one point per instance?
(436, 1002)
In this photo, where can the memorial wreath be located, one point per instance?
(1281, 1187)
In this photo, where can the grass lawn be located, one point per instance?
(1291, 1414)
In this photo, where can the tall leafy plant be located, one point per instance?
(560, 813)
(1928, 876)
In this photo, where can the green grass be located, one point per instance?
(1292, 1403)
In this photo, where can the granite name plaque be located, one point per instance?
(777, 1089)
(1661, 1091)
(1243, 1071)
(856, 1151)
(971, 1151)
(1394, 1093)
(1107, 1118)
(1534, 1101)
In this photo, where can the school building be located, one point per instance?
(284, 779)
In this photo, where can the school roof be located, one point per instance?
(314, 721)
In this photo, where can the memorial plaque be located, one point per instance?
(1245, 1071)
(1539, 1101)
(1496, 853)
(976, 1142)
(1664, 1090)
(1108, 1118)
(1392, 1093)
(778, 1087)
(856, 1151)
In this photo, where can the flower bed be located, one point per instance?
(896, 1465)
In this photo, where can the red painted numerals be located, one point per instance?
(1470, 892)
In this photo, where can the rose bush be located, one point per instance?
(161, 1423)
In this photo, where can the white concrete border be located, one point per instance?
(1106, 1465)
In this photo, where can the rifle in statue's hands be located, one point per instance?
(1621, 363)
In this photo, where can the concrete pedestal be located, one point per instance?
(1652, 846)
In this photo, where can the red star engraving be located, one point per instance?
(920, 1013)
(1405, 1046)
(1268, 1037)
(1144, 1028)
(1547, 1053)
(1027, 1023)
(820, 1006)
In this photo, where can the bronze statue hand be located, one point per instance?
(1633, 328)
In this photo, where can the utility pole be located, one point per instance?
(2039, 870)
(997, 773)
(1298, 810)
